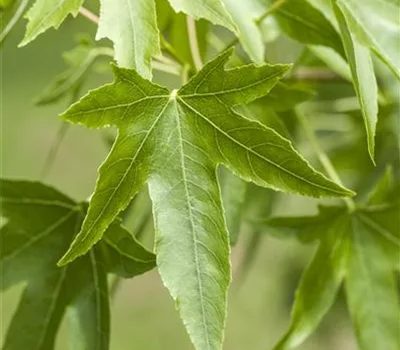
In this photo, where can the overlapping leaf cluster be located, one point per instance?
(41, 222)
(174, 142)
(359, 248)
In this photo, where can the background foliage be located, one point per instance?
(271, 253)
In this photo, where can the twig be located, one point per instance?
(52, 154)
(322, 157)
(193, 42)
(89, 15)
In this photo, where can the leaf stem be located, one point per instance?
(322, 156)
(52, 154)
(89, 15)
(193, 43)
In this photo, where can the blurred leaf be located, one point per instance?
(284, 97)
(245, 14)
(233, 191)
(362, 70)
(135, 33)
(45, 14)
(377, 26)
(211, 10)
(361, 247)
(381, 192)
(174, 141)
(41, 222)
(80, 61)
(320, 282)
(10, 12)
(304, 23)
(333, 60)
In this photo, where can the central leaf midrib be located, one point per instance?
(193, 231)
(255, 153)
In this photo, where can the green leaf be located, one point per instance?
(333, 60)
(382, 190)
(10, 13)
(199, 130)
(372, 291)
(80, 61)
(320, 282)
(305, 23)
(135, 33)
(377, 26)
(46, 14)
(192, 123)
(362, 70)
(244, 14)
(284, 97)
(363, 248)
(233, 191)
(41, 222)
(211, 10)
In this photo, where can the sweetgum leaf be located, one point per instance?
(46, 14)
(174, 142)
(362, 70)
(361, 249)
(41, 222)
(135, 33)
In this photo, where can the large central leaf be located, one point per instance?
(174, 141)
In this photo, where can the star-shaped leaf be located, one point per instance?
(41, 222)
(174, 142)
(361, 249)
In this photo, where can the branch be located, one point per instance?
(89, 15)
(194, 45)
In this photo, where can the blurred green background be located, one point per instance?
(143, 313)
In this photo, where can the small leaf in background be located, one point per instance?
(79, 60)
(233, 191)
(10, 13)
(360, 248)
(333, 60)
(376, 24)
(191, 237)
(135, 33)
(211, 10)
(362, 70)
(46, 14)
(304, 23)
(245, 14)
(41, 222)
